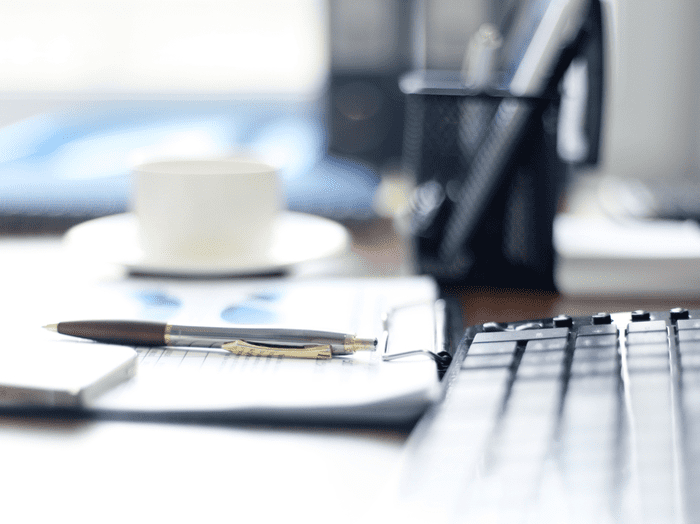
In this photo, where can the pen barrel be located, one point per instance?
(195, 336)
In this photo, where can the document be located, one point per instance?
(185, 382)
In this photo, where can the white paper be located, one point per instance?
(358, 387)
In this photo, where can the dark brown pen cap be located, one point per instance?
(116, 332)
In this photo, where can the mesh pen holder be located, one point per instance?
(488, 182)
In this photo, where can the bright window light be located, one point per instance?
(163, 47)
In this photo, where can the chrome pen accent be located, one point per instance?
(196, 336)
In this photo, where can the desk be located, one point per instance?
(122, 470)
(481, 305)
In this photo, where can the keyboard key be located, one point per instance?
(691, 323)
(529, 326)
(492, 348)
(640, 315)
(601, 319)
(643, 327)
(690, 360)
(647, 350)
(647, 364)
(544, 372)
(582, 368)
(539, 358)
(495, 326)
(679, 313)
(602, 329)
(487, 361)
(596, 341)
(592, 405)
(690, 335)
(488, 375)
(689, 346)
(529, 334)
(650, 396)
(540, 363)
(531, 397)
(558, 344)
(650, 337)
(487, 355)
(593, 387)
(479, 401)
(596, 353)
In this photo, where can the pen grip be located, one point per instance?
(126, 333)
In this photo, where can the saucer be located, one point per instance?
(296, 238)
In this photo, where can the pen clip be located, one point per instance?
(244, 348)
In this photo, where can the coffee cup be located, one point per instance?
(205, 212)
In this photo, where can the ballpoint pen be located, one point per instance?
(260, 341)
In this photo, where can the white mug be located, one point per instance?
(194, 213)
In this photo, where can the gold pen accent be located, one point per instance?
(243, 348)
(353, 344)
(166, 335)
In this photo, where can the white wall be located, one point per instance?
(67, 50)
(653, 93)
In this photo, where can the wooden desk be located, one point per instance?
(481, 305)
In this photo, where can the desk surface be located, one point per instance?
(113, 470)
(481, 305)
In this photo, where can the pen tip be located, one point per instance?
(51, 327)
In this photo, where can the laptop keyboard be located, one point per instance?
(593, 419)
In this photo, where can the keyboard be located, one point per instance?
(588, 419)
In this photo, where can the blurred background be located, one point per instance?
(89, 88)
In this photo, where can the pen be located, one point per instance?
(241, 340)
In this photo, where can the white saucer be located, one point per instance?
(296, 238)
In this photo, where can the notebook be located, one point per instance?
(403, 313)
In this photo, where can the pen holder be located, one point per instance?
(488, 181)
